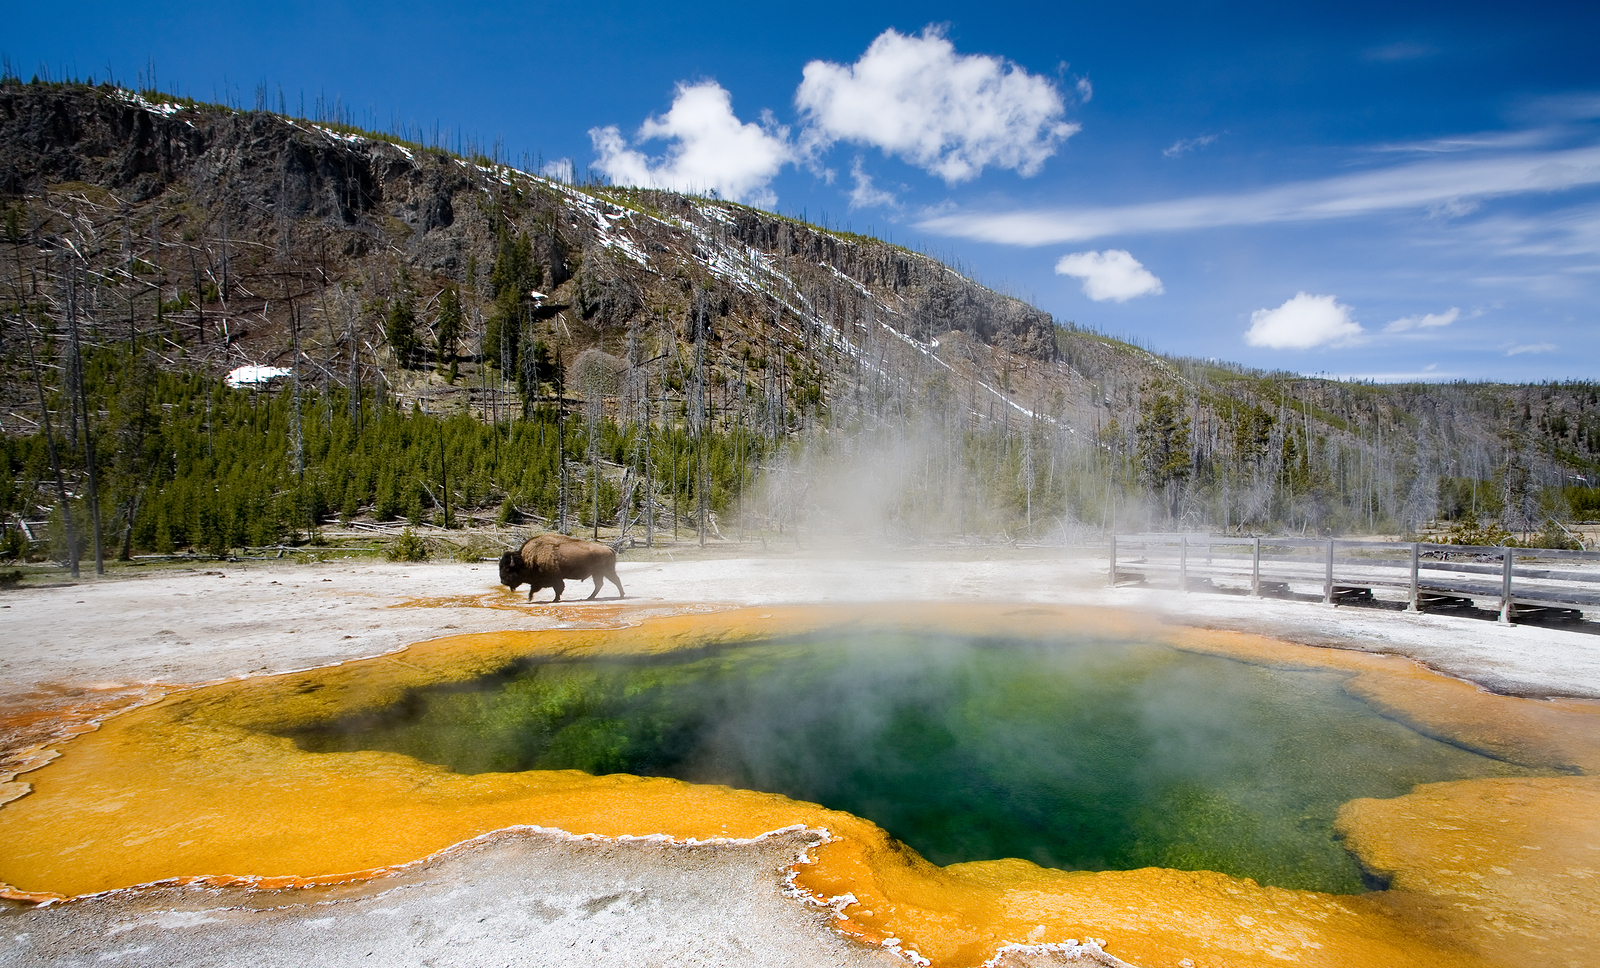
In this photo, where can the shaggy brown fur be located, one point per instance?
(550, 560)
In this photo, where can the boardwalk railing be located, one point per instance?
(1520, 581)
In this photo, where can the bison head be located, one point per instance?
(510, 566)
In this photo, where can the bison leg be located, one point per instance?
(559, 586)
(612, 574)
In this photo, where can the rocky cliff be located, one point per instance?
(221, 238)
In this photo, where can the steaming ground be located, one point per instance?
(78, 650)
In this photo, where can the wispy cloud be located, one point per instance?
(1400, 51)
(1487, 140)
(1424, 321)
(1185, 145)
(1435, 183)
(867, 195)
(1522, 348)
(1427, 374)
(1571, 232)
(1570, 106)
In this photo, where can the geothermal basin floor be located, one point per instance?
(80, 651)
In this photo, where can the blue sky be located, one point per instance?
(1385, 191)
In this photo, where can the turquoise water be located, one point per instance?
(1080, 754)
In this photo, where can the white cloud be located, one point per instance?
(1445, 182)
(710, 150)
(1424, 321)
(1113, 274)
(560, 170)
(1301, 323)
(950, 114)
(1085, 90)
(1185, 145)
(1532, 348)
(867, 195)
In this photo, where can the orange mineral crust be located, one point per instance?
(1487, 872)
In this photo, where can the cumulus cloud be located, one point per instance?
(560, 170)
(1424, 321)
(950, 114)
(709, 149)
(867, 195)
(1301, 323)
(1113, 274)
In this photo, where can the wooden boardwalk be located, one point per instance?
(1518, 581)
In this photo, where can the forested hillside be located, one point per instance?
(448, 340)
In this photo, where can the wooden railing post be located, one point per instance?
(1255, 567)
(1183, 562)
(1416, 565)
(1113, 576)
(1327, 581)
(1505, 585)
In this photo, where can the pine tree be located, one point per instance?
(400, 328)
(1164, 459)
(448, 329)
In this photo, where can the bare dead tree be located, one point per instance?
(55, 459)
(88, 427)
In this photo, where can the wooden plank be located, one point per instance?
(1113, 572)
(1415, 604)
(1509, 564)
(1541, 596)
(1327, 581)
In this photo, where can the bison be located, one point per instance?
(550, 560)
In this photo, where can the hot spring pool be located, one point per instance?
(1075, 753)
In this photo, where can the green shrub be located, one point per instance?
(14, 546)
(1553, 535)
(1468, 531)
(409, 546)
